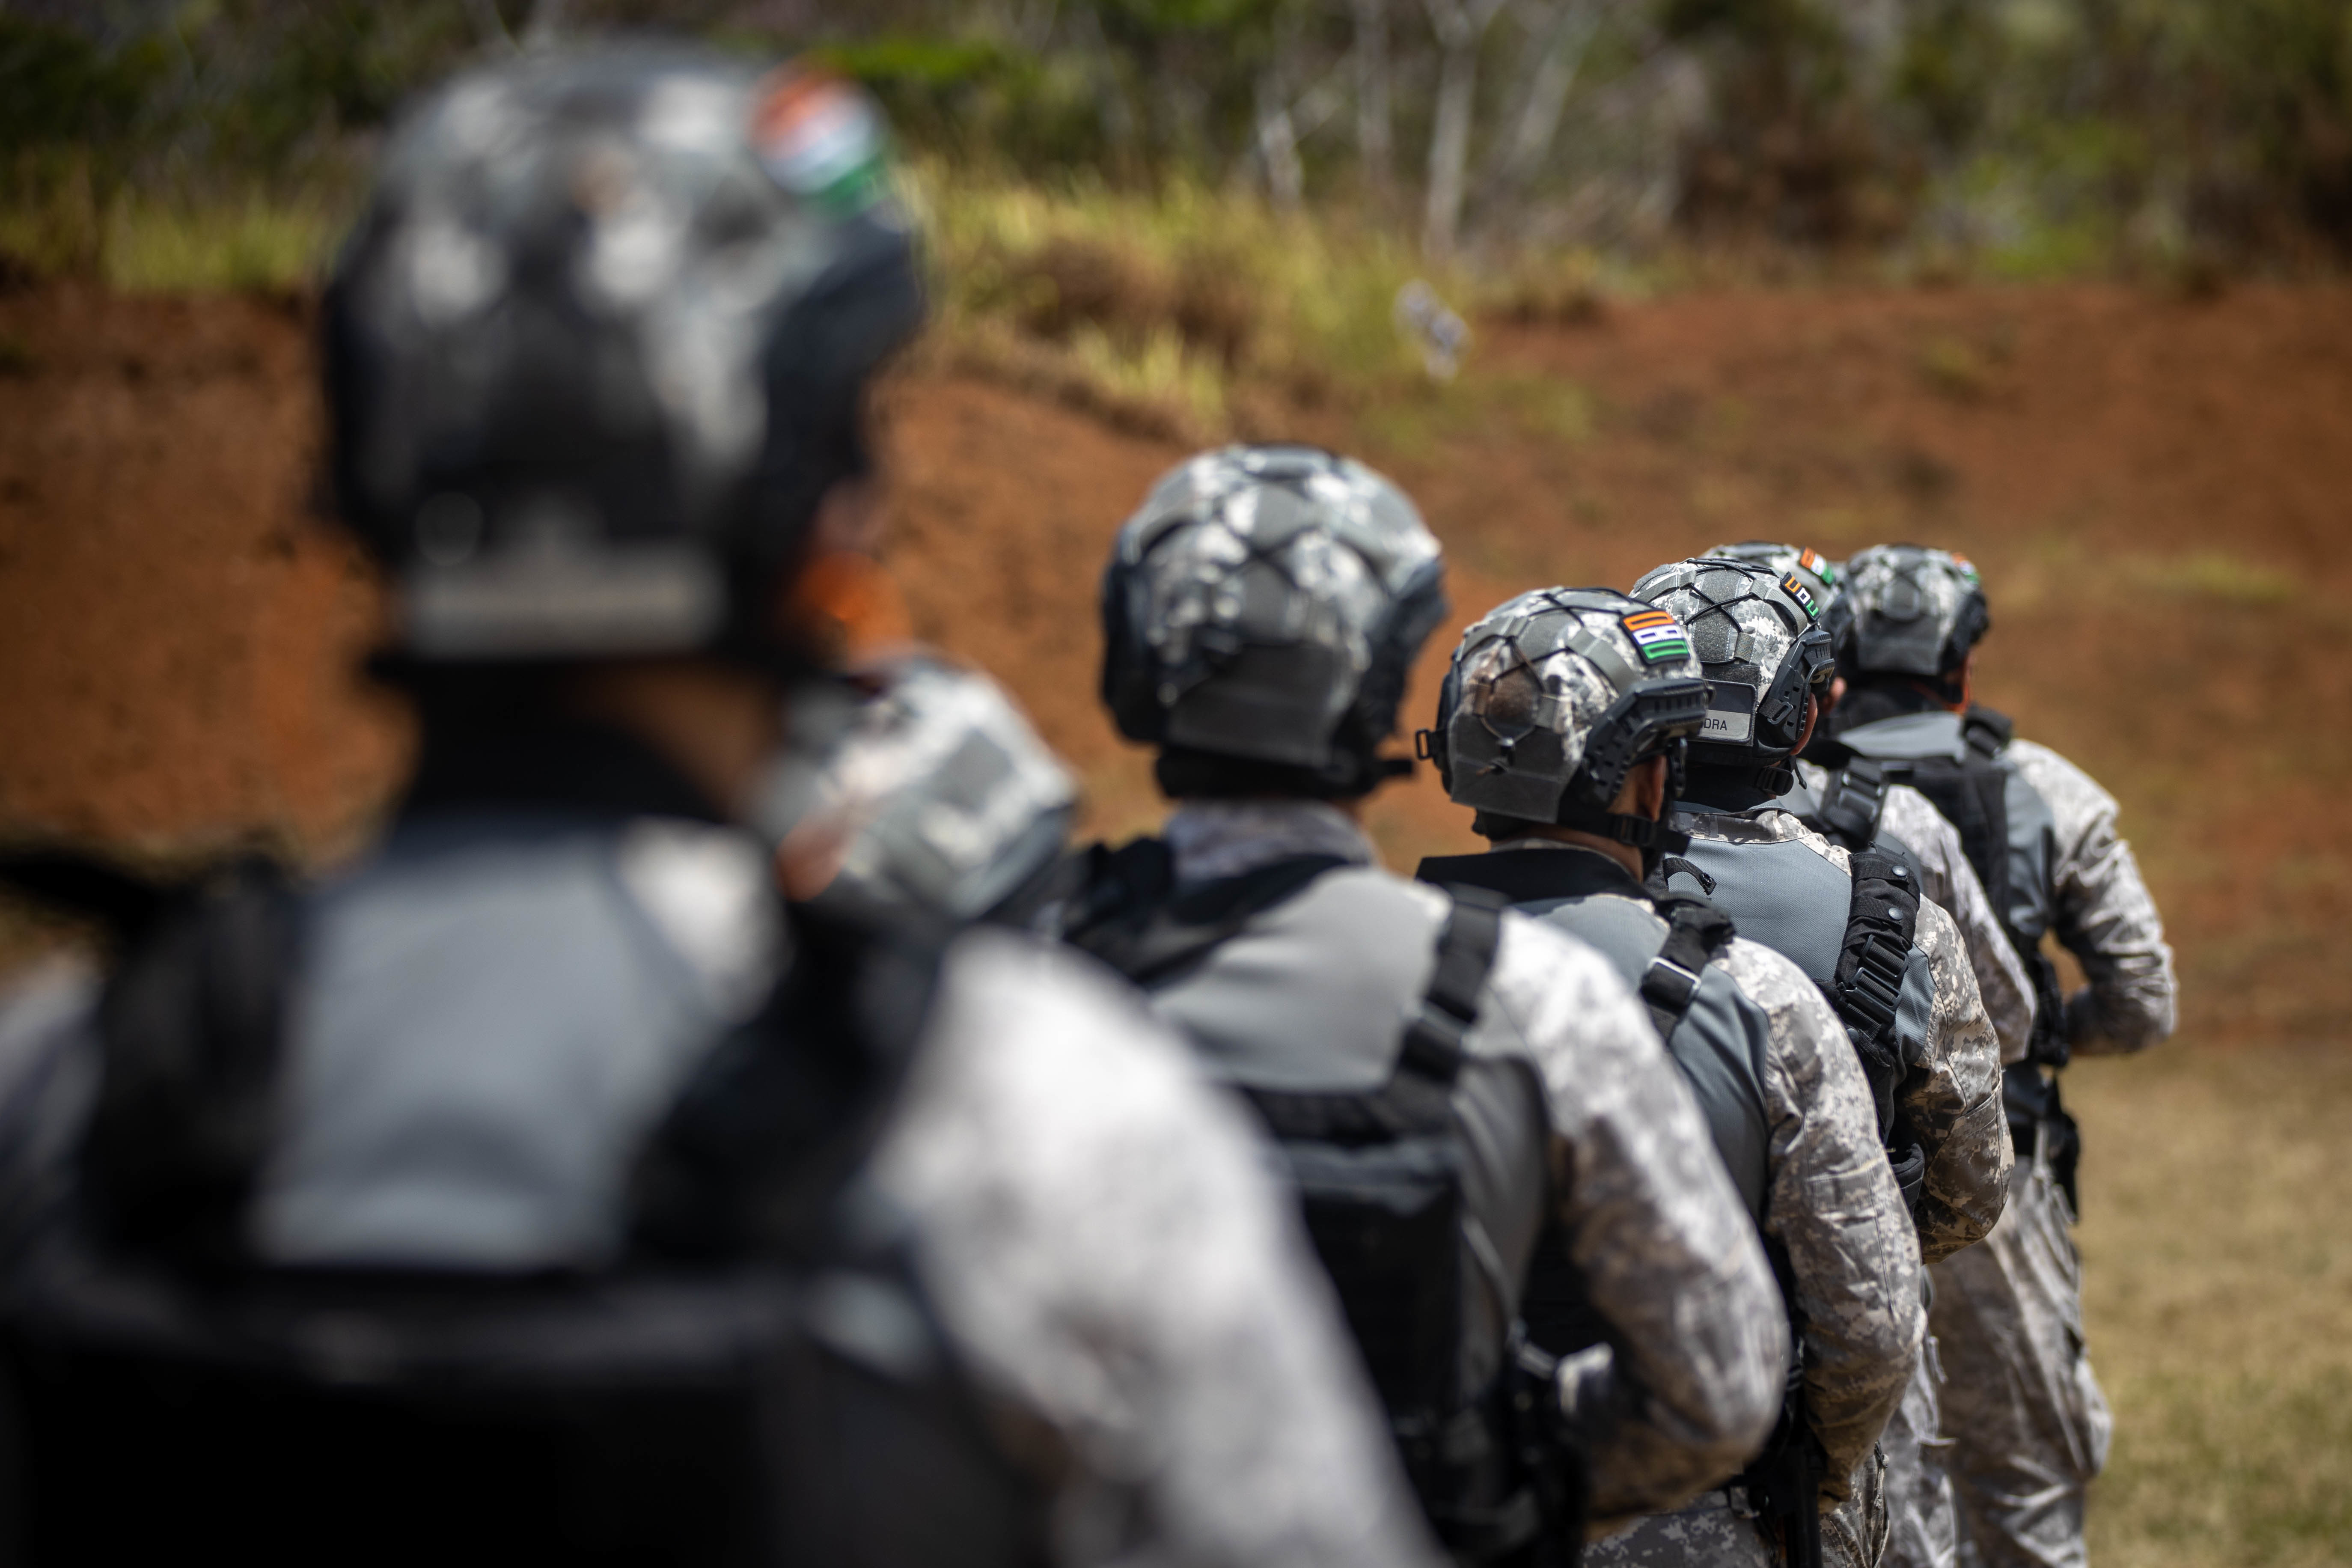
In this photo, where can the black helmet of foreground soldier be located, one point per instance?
(1757, 634)
(1910, 620)
(1261, 613)
(1552, 701)
(596, 355)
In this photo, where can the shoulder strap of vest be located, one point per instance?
(1696, 932)
(1852, 802)
(782, 1111)
(191, 1028)
(1449, 1006)
(1988, 729)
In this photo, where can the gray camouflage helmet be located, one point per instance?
(1758, 636)
(598, 348)
(1824, 577)
(1552, 700)
(945, 800)
(1911, 610)
(1265, 606)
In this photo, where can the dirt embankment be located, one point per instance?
(2154, 487)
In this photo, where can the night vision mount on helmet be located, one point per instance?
(1759, 637)
(1553, 697)
(1261, 613)
(598, 348)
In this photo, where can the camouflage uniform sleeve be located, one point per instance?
(1668, 1256)
(1098, 1226)
(1953, 1101)
(1951, 881)
(1834, 1206)
(2104, 915)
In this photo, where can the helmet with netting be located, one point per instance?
(599, 345)
(1911, 610)
(1553, 697)
(1758, 636)
(941, 798)
(1260, 614)
(1825, 578)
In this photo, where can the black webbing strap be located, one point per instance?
(1449, 1006)
(1852, 802)
(1134, 921)
(1696, 931)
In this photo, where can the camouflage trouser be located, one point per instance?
(2028, 1423)
(1712, 1527)
(1922, 1531)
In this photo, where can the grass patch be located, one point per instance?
(2215, 575)
(256, 241)
(2218, 1281)
(1188, 298)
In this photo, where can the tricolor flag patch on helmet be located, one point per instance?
(1797, 590)
(1658, 635)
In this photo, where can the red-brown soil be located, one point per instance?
(2154, 487)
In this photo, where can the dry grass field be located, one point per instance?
(2154, 487)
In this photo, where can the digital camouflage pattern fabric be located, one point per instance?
(2102, 912)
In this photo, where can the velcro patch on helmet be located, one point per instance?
(1658, 635)
(1795, 588)
(1730, 713)
(820, 139)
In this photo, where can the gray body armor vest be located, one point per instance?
(1961, 762)
(1350, 1018)
(2013, 859)
(1722, 1038)
(451, 1202)
(1784, 895)
(1311, 998)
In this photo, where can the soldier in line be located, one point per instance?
(1864, 805)
(1894, 964)
(543, 1182)
(2028, 1424)
(1446, 1081)
(1562, 724)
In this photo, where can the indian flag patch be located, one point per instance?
(1658, 635)
(1796, 590)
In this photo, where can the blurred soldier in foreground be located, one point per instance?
(1862, 808)
(542, 1184)
(1892, 964)
(1562, 722)
(2028, 1424)
(1447, 1080)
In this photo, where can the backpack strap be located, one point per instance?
(1696, 932)
(1449, 1006)
(1852, 802)
(770, 1129)
(1132, 917)
(190, 1029)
